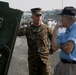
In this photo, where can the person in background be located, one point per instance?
(66, 42)
(54, 24)
(37, 39)
(50, 22)
(61, 30)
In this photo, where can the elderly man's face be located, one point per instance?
(64, 20)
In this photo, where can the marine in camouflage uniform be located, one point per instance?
(38, 50)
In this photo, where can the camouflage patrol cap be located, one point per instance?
(36, 11)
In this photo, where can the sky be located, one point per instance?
(26, 5)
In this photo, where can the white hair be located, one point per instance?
(73, 18)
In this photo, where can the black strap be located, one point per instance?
(68, 61)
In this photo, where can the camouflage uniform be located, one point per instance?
(38, 51)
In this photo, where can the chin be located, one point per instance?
(39, 23)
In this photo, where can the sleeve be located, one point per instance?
(21, 31)
(59, 38)
(49, 33)
(72, 36)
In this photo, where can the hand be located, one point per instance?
(59, 24)
(67, 47)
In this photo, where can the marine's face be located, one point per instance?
(37, 19)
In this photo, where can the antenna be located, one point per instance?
(62, 4)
